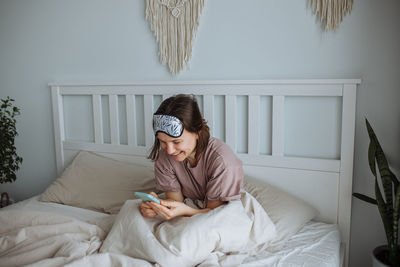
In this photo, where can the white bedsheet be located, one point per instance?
(316, 244)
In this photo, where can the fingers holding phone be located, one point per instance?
(145, 209)
(152, 197)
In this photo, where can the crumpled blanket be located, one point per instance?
(44, 239)
(224, 236)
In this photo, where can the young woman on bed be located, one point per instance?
(190, 163)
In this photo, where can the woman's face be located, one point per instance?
(179, 148)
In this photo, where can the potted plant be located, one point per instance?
(9, 160)
(388, 202)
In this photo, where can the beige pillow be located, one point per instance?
(288, 212)
(99, 183)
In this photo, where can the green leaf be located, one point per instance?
(9, 160)
(371, 157)
(383, 167)
(395, 181)
(365, 198)
(396, 217)
(387, 223)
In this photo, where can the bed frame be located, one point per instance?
(258, 119)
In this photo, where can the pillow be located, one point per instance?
(99, 183)
(288, 212)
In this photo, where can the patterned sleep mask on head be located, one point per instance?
(167, 124)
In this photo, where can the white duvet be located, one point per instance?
(221, 237)
(44, 239)
(224, 236)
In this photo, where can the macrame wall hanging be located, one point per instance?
(174, 23)
(331, 12)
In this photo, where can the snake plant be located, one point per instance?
(388, 202)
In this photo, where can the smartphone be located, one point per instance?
(147, 197)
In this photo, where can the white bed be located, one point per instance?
(316, 244)
(262, 121)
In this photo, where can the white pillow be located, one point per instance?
(288, 212)
(99, 183)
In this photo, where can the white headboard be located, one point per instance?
(296, 134)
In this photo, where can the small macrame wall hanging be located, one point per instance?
(331, 12)
(174, 23)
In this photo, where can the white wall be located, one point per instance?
(106, 41)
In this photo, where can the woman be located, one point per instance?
(189, 163)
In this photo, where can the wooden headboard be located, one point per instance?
(295, 134)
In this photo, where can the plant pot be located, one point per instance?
(380, 256)
(5, 200)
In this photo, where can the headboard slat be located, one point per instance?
(230, 121)
(278, 135)
(254, 125)
(114, 121)
(131, 120)
(208, 112)
(97, 119)
(148, 116)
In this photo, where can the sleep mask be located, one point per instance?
(167, 124)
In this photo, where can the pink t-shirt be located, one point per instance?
(217, 176)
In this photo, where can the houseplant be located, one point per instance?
(9, 159)
(388, 202)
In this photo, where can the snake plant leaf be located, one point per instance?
(396, 214)
(389, 203)
(383, 167)
(371, 157)
(395, 181)
(365, 198)
(387, 223)
(385, 178)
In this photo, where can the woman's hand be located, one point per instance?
(146, 210)
(170, 209)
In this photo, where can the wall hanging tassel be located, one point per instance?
(331, 12)
(174, 23)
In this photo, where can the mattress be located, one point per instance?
(316, 244)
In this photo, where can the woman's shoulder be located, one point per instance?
(219, 150)
(164, 160)
(216, 146)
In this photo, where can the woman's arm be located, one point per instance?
(215, 203)
(177, 196)
(174, 206)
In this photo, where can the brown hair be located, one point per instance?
(186, 109)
